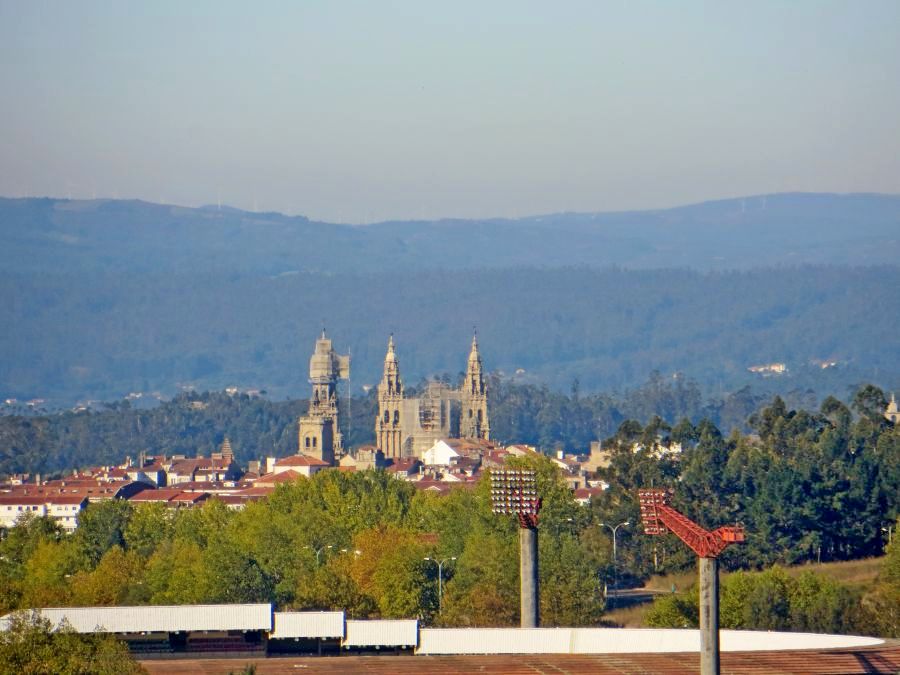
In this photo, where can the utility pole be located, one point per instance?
(658, 518)
(514, 492)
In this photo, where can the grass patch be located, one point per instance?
(859, 573)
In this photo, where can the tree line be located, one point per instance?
(197, 423)
(362, 542)
(810, 603)
(806, 485)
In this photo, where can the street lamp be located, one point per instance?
(440, 564)
(318, 551)
(614, 530)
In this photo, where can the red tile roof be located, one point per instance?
(190, 497)
(300, 460)
(288, 476)
(230, 499)
(160, 495)
(442, 486)
(402, 464)
(23, 500)
(66, 499)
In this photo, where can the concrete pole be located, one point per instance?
(709, 616)
(528, 577)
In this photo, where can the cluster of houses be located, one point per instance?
(180, 481)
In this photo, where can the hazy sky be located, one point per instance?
(361, 111)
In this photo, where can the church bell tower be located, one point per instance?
(474, 422)
(388, 427)
(319, 433)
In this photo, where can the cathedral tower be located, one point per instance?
(388, 427)
(474, 421)
(319, 433)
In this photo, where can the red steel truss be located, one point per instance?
(658, 518)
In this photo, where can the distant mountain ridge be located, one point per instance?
(102, 298)
(52, 235)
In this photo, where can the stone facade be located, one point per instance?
(407, 427)
(319, 433)
(892, 414)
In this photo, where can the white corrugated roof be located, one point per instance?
(163, 619)
(616, 640)
(307, 625)
(382, 633)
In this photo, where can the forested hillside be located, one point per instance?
(195, 424)
(82, 336)
(103, 298)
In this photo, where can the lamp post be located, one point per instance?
(440, 564)
(614, 530)
(318, 551)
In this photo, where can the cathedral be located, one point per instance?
(407, 427)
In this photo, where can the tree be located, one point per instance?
(19, 545)
(390, 568)
(31, 646)
(674, 611)
(117, 580)
(150, 524)
(870, 403)
(101, 525)
(484, 590)
(233, 576)
(820, 604)
(176, 574)
(45, 580)
(569, 583)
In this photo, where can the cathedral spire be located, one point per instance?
(474, 355)
(388, 426)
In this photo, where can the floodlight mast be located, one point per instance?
(514, 492)
(658, 518)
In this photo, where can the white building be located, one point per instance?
(64, 509)
(439, 454)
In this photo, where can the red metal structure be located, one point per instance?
(658, 518)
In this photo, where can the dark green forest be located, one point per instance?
(104, 298)
(194, 423)
(85, 336)
(806, 485)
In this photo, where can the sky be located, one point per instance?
(368, 111)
